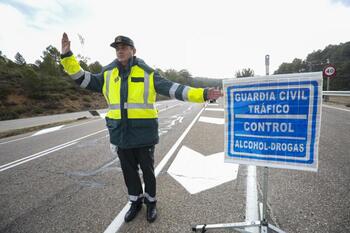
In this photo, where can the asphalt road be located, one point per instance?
(69, 181)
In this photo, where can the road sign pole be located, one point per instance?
(329, 71)
(264, 223)
(267, 64)
(327, 97)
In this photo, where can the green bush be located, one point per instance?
(20, 109)
(31, 82)
(38, 110)
(4, 91)
(39, 95)
(6, 114)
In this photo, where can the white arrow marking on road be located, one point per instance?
(48, 130)
(196, 172)
(212, 120)
(215, 109)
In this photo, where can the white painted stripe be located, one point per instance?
(212, 120)
(251, 116)
(167, 108)
(251, 212)
(119, 220)
(261, 136)
(210, 104)
(215, 109)
(18, 139)
(48, 130)
(35, 157)
(342, 109)
(45, 152)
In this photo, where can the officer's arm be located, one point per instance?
(83, 78)
(179, 91)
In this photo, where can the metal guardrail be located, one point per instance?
(336, 93)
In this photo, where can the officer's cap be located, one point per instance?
(122, 40)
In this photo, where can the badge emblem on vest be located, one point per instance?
(116, 79)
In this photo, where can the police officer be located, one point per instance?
(130, 87)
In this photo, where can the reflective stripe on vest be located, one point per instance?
(114, 106)
(108, 78)
(111, 96)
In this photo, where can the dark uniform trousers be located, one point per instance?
(130, 159)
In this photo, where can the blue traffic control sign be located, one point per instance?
(274, 121)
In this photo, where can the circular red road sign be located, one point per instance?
(329, 71)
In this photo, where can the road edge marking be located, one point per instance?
(342, 109)
(44, 152)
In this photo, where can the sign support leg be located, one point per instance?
(262, 224)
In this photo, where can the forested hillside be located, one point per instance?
(338, 55)
(43, 88)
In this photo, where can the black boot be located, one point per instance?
(132, 212)
(151, 212)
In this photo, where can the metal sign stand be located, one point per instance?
(262, 224)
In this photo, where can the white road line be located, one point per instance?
(35, 157)
(212, 120)
(251, 212)
(48, 130)
(18, 139)
(119, 220)
(215, 109)
(167, 108)
(342, 109)
(45, 152)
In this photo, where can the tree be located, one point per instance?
(184, 73)
(50, 63)
(338, 55)
(247, 72)
(95, 67)
(2, 58)
(83, 61)
(19, 59)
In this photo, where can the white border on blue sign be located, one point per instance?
(313, 81)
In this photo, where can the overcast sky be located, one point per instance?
(208, 38)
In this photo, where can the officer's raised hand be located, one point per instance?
(65, 44)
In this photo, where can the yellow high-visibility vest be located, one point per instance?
(141, 94)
